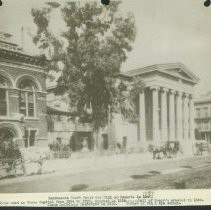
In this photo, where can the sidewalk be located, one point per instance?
(94, 162)
(78, 163)
(96, 171)
(91, 162)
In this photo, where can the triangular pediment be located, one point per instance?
(173, 69)
(178, 70)
(178, 73)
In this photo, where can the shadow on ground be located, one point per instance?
(78, 187)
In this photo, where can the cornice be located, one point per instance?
(22, 57)
(162, 68)
(22, 67)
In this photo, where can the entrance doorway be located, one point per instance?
(6, 134)
(6, 138)
(77, 139)
(105, 141)
(124, 142)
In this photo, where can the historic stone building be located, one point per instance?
(203, 117)
(166, 110)
(22, 95)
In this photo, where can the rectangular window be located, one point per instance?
(3, 102)
(205, 111)
(50, 123)
(22, 103)
(30, 105)
(26, 137)
(30, 138)
(202, 125)
(210, 112)
(198, 125)
(26, 104)
(206, 125)
(198, 112)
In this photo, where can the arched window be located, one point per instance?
(27, 98)
(4, 84)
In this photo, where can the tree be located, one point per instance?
(91, 48)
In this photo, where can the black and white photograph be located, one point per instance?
(99, 95)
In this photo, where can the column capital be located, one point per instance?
(186, 95)
(179, 93)
(164, 90)
(141, 91)
(155, 88)
(191, 96)
(172, 91)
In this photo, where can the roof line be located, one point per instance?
(160, 67)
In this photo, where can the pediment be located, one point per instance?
(178, 70)
(173, 69)
(178, 73)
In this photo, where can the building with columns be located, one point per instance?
(166, 109)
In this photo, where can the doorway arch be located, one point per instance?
(9, 130)
(7, 133)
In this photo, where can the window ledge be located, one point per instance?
(5, 118)
(31, 118)
(15, 119)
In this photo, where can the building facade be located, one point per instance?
(63, 124)
(22, 95)
(166, 110)
(203, 117)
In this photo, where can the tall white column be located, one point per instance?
(179, 116)
(164, 127)
(155, 114)
(171, 116)
(142, 128)
(186, 116)
(191, 113)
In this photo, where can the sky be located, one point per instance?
(167, 31)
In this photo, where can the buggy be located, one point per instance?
(11, 162)
(60, 150)
(201, 147)
(168, 150)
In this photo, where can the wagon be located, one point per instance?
(62, 154)
(201, 147)
(11, 161)
(168, 150)
(12, 166)
(60, 151)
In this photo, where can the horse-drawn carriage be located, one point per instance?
(166, 150)
(201, 147)
(11, 162)
(60, 150)
(15, 163)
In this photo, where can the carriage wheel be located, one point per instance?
(18, 167)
